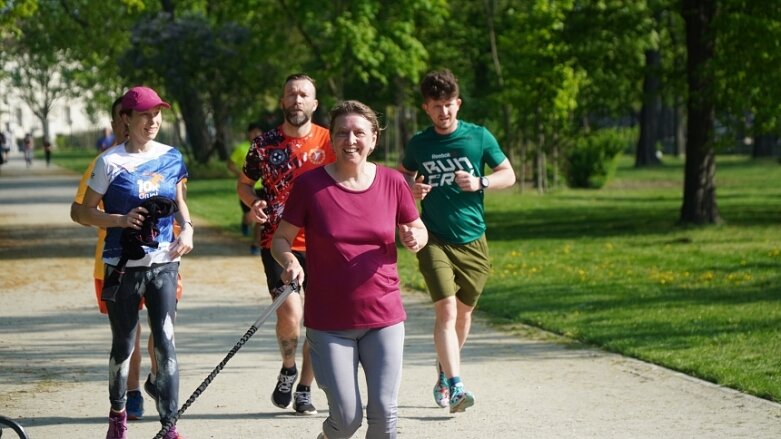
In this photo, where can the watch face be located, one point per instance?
(483, 182)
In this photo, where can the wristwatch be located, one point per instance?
(483, 183)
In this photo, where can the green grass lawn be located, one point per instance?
(611, 267)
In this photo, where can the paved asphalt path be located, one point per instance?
(54, 352)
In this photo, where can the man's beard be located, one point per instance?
(297, 118)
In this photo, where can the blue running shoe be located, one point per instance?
(461, 399)
(134, 405)
(441, 391)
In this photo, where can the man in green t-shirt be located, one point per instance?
(445, 165)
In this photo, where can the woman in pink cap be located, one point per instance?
(141, 185)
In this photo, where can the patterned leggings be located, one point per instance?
(157, 285)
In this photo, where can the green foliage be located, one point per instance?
(370, 50)
(12, 12)
(74, 159)
(214, 169)
(87, 37)
(746, 65)
(216, 201)
(536, 72)
(608, 39)
(202, 66)
(592, 159)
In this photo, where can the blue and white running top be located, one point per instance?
(127, 179)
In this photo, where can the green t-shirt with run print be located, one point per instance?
(453, 216)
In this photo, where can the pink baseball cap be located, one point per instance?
(141, 99)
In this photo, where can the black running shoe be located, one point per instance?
(303, 404)
(150, 389)
(283, 391)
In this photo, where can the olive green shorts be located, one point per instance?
(459, 270)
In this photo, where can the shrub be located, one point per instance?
(204, 171)
(592, 160)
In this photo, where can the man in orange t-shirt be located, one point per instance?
(276, 158)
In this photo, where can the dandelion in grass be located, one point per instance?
(739, 277)
(774, 253)
(663, 277)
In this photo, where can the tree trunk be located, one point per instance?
(555, 160)
(649, 115)
(699, 188)
(679, 143)
(522, 164)
(194, 122)
(403, 119)
(222, 130)
(764, 145)
(539, 156)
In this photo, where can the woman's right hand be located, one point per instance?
(292, 271)
(134, 219)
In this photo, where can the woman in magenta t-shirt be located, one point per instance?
(353, 312)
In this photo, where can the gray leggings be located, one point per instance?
(335, 359)
(157, 285)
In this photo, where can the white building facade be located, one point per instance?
(68, 117)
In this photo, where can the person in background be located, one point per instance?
(445, 164)
(47, 151)
(105, 141)
(123, 179)
(27, 149)
(277, 158)
(235, 163)
(9, 140)
(351, 210)
(4, 140)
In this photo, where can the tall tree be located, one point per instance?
(543, 78)
(40, 71)
(645, 153)
(369, 48)
(699, 188)
(748, 80)
(212, 69)
(11, 13)
(40, 80)
(661, 80)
